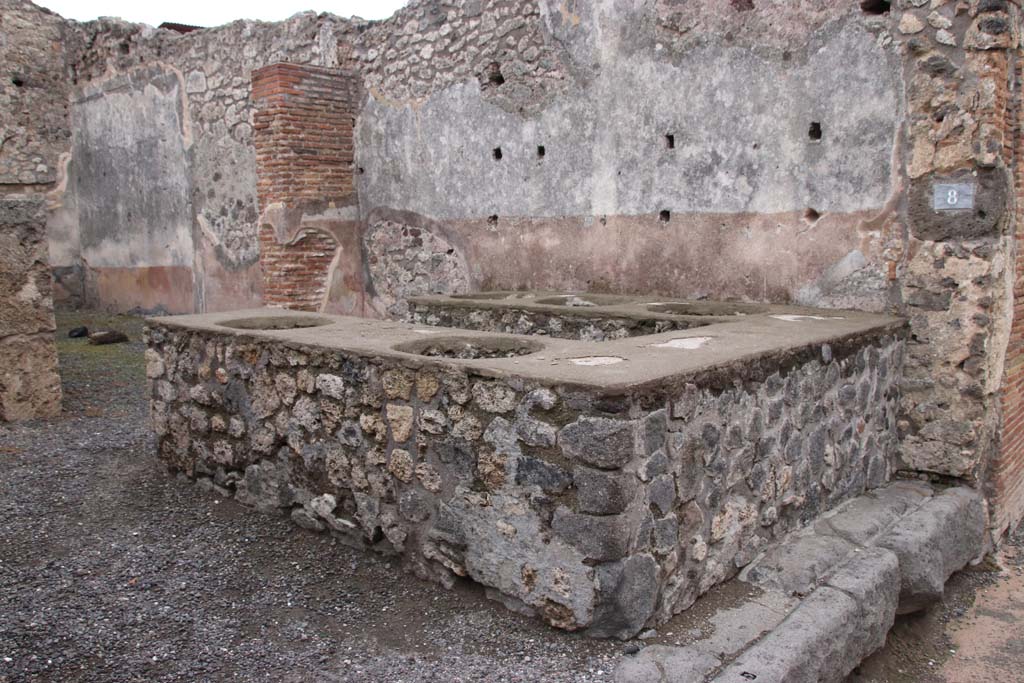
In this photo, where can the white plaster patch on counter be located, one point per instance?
(685, 343)
(790, 318)
(590, 361)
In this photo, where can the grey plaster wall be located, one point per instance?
(740, 119)
(130, 172)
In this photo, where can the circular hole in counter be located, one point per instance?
(706, 308)
(470, 348)
(276, 322)
(585, 300)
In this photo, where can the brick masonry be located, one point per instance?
(304, 155)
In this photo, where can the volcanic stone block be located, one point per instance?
(603, 493)
(601, 538)
(599, 441)
(628, 591)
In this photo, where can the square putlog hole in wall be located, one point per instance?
(541, 151)
(496, 153)
(814, 132)
(494, 76)
(875, 6)
(670, 141)
(665, 216)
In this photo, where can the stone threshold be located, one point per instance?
(815, 605)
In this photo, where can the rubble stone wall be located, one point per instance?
(957, 268)
(593, 510)
(661, 184)
(34, 91)
(619, 201)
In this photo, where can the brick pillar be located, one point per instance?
(304, 154)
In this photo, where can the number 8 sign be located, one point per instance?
(953, 196)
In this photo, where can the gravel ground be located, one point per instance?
(112, 570)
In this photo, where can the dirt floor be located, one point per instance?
(112, 570)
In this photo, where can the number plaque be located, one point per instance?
(953, 196)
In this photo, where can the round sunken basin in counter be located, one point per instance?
(709, 308)
(585, 300)
(276, 322)
(470, 348)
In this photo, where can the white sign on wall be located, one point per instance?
(953, 196)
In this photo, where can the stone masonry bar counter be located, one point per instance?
(601, 485)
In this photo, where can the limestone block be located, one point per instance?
(872, 578)
(808, 647)
(666, 665)
(797, 565)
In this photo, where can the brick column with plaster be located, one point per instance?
(309, 227)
